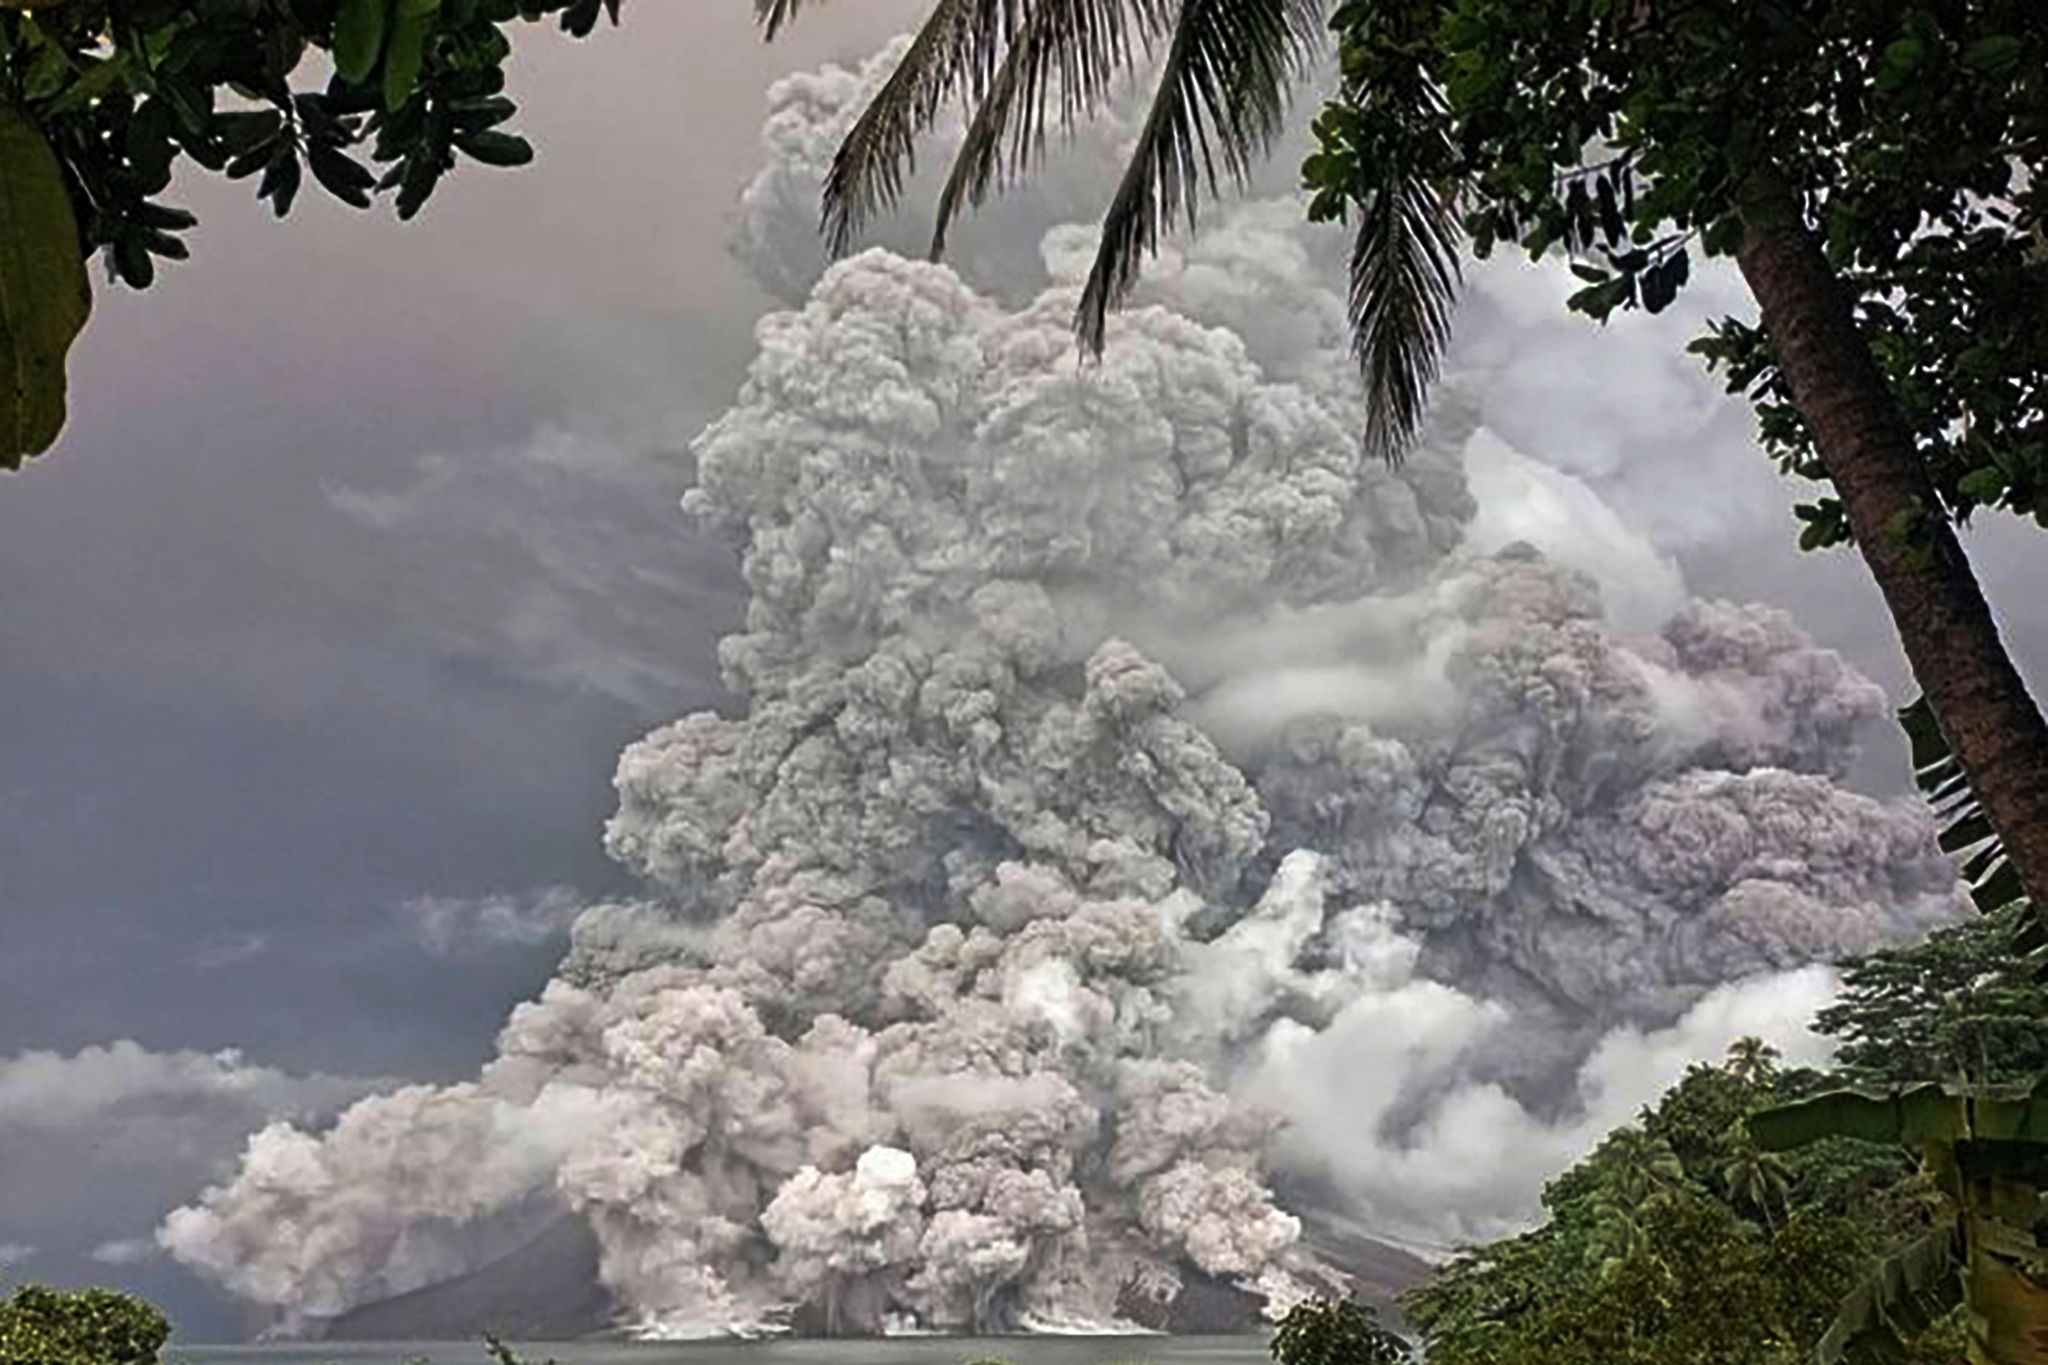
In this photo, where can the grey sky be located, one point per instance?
(249, 720)
(360, 563)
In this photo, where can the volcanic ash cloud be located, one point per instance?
(1121, 756)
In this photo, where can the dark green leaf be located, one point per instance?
(340, 175)
(405, 54)
(495, 148)
(280, 183)
(1999, 52)
(132, 263)
(44, 293)
(359, 28)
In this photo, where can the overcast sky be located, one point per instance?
(311, 616)
(321, 631)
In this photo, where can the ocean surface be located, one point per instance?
(1035, 1350)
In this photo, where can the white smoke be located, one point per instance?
(1143, 802)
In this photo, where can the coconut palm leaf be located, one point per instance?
(773, 14)
(1404, 289)
(1221, 98)
(956, 49)
(1220, 101)
(1966, 832)
(1075, 47)
(1756, 1178)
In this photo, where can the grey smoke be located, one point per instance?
(159, 1125)
(555, 554)
(1122, 757)
(451, 925)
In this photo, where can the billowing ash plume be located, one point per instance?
(1142, 803)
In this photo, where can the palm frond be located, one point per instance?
(1966, 832)
(956, 48)
(1404, 291)
(1074, 46)
(1221, 97)
(772, 15)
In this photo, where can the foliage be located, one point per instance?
(41, 1326)
(1633, 133)
(1958, 1005)
(1968, 836)
(1680, 1239)
(44, 297)
(1966, 831)
(1987, 1150)
(1773, 1242)
(119, 92)
(1222, 73)
(1705, 1285)
(1335, 1332)
(501, 1354)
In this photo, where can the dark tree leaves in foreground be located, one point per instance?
(1335, 1332)
(100, 100)
(1986, 1251)
(40, 1326)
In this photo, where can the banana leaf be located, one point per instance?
(1911, 1117)
(2008, 1307)
(1915, 1116)
(1910, 1291)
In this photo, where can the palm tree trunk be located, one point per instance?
(1985, 712)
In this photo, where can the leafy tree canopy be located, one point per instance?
(40, 1326)
(1335, 1332)
(1960, 1006)
(101, 100)
(1635, 132)
(1677, 1241)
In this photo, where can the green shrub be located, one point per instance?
(1335, 1332)
(43, 1326)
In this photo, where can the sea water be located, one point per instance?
(1034, 1350)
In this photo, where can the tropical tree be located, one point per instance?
(1872, 166)
(1752, 1061)
(1959, 1006)
(100, 100)
(1757, 1180)
(1987, 1150)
